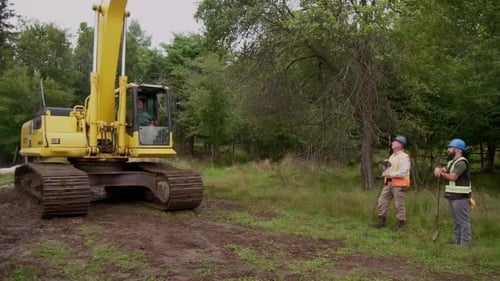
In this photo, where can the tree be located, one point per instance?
(450, 69)
(45, 49)
(206, 111)
(138, 56)
(82, 61)
(6, 33)
(20, 99)
(182, 52)
(15, 86)
(327, 55)
(184, 49)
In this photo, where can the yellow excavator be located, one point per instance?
(104, 143)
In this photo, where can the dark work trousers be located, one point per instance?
(388, 193)
(459, 210)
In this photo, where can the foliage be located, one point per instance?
(6, 32)
(327, 80)
(183, 50)
(137, 59)
(82, 61)
(380, 67)
(180, 53)
(316, 64)
(449, 69)
(45, 49)
(206, 113)
(17, 85)
(6, 13)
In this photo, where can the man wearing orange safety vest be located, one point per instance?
(458, 190)
(396, 181)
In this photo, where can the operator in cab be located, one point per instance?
(144, 118)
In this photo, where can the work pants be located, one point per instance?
(388, 193)
(459, 210)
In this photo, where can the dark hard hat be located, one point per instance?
(401, 139)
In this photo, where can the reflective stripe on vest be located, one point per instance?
(399, 181)
(451, 187)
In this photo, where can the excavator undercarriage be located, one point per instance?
(67, 189)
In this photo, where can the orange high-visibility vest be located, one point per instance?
(399, 181)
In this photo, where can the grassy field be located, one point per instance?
(293, 197)
(328, 202)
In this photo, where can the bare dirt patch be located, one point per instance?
(174, 246)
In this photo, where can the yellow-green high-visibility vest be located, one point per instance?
(451, 187)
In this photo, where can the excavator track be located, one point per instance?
(61, 189)
(176, 189)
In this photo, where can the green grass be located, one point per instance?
(253, 258)
(89, 261)
(207, 270)
(6, 179)
(245, 278)
(329, 203)
(89, 232)
(109, 255)
(24, 274)
(51, 249)
(320, 267)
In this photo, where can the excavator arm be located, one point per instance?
(110, 25)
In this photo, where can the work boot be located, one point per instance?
(380, 223)
(400, 224)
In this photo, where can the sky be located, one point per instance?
(157, 18)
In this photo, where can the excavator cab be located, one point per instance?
(149, 114)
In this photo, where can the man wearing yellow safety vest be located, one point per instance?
(458, 190)
(396, 181)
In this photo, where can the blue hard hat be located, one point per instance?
(457, 143)
(401, 139)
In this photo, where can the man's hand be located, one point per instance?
(437, 172)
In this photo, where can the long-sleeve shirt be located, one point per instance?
(400, 165)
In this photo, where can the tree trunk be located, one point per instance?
(191, 146)
(367, 159)
(481, 155)
(366, 107)
(490, 158)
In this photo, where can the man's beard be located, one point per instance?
(451, 155)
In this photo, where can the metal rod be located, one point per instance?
(97, 9)
(124, 44)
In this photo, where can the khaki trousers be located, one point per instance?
(388, 193)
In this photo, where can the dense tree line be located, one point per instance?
(326, 80)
